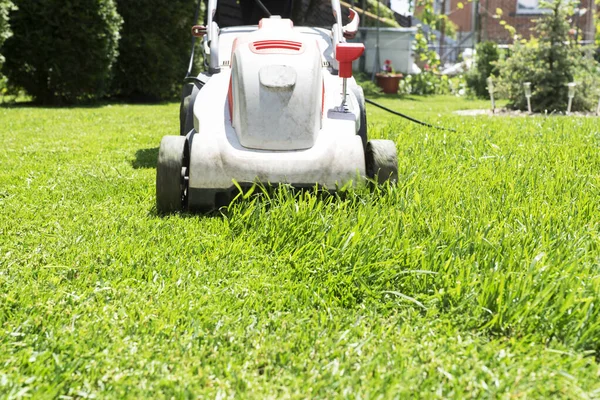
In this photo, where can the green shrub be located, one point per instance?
(62, 51)
(154, 48)
(428, 83)
(550, 64)
(487, 57)
(369, 87)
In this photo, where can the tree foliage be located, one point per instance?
(62, 51)
(550, 63)
(154, 48)
(5, 7)
(487, 57)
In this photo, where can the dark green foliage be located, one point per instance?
(487, 57)
(5, 7)
(550, 65)
(154, 48)
(368, 86)
(62, 51)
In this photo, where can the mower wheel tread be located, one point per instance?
(381, 161)
(173, 162)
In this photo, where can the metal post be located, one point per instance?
(443, 29)
(591, 26)
(477, 23)
(578, 16)
(376, 61)
(363, 38)
(485, 30)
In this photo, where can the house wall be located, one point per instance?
(463, 18)
(490, 26)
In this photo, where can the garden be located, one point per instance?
(476, 275)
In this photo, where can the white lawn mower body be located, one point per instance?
(272, 109)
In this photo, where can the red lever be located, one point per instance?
(199, 30)
(345, 53)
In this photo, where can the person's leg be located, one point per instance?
(252, 13)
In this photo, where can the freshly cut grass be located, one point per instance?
(477, 276)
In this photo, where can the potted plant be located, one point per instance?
(387, 79)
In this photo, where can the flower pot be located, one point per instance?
(388, 82)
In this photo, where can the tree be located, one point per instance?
(550, 63)
(487, 57)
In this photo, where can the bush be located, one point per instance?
(369, 87)
(62, 51)
(5, 7)
(487, 57)
(550, 64)
(154, 48)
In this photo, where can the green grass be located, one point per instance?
(477, 276)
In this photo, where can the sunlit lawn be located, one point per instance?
(477, 276)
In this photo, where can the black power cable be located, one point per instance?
(416, 121)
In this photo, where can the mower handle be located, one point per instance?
(352, 27)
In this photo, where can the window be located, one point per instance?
(530, 7)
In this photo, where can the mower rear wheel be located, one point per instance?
(381, 161)
(362, 131)
(186, 97)
(172, 174)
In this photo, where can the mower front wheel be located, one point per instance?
(381, 161)
(172, 174)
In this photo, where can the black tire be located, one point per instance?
(186, 97)
(171, 174)
(381, 161)
(362, 131)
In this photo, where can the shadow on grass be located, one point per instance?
(28, 103)
(212, 214)
(265, 197)
(145, 158)
(376, 97)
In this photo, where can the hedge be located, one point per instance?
(154, 48)
(62, 51)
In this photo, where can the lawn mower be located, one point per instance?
(277, 105)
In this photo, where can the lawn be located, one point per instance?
(477, 276)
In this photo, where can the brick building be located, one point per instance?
(519, 14)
